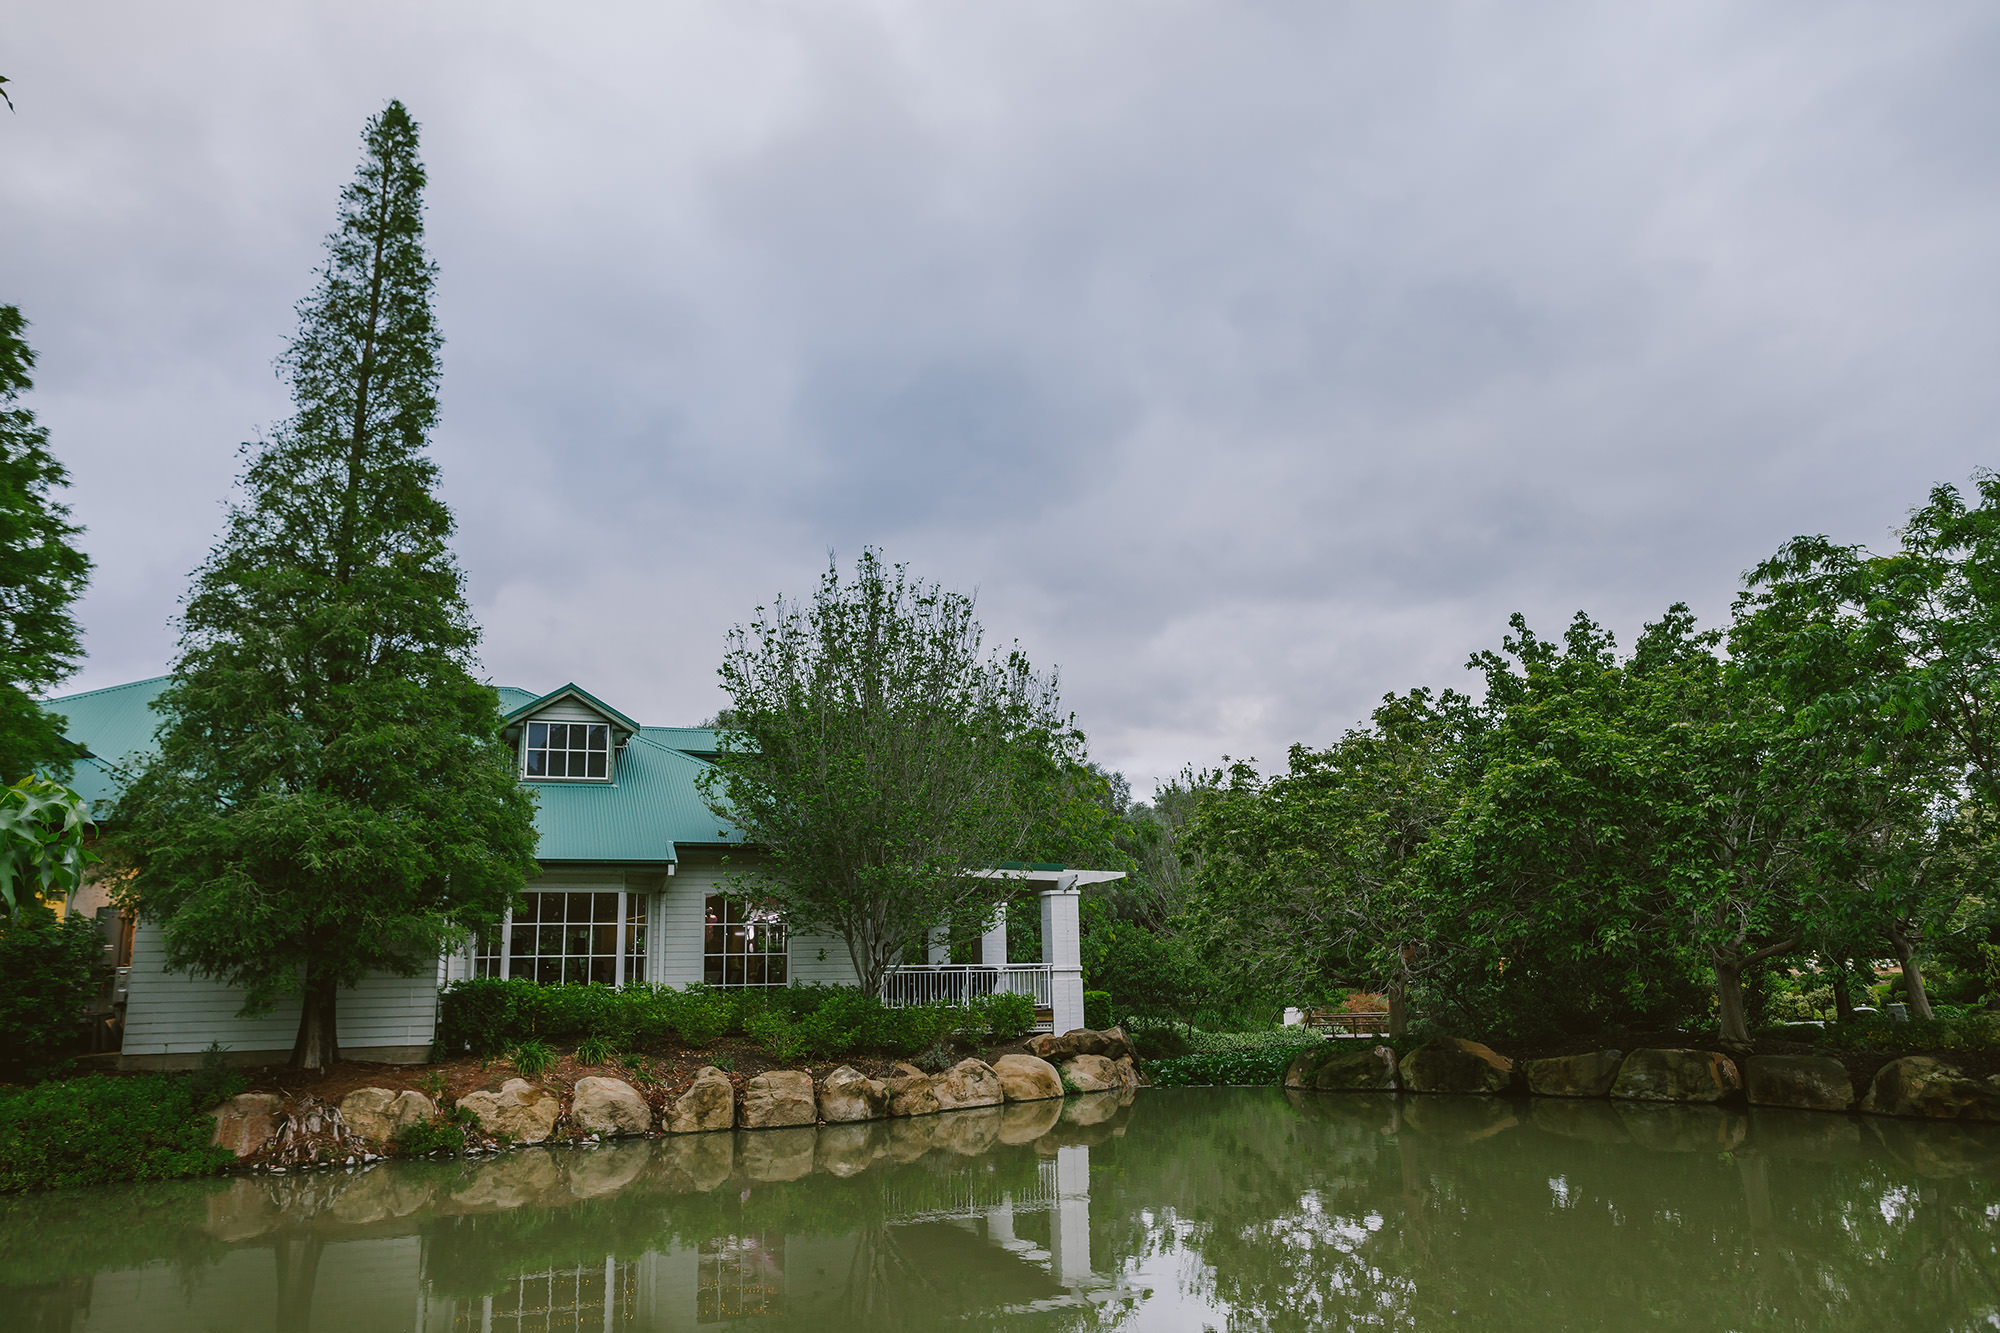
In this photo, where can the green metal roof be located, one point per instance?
(570, 689)
(651, 804)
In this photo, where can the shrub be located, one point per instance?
(48, 972)
(1230, 1067)
(1160, 1043)
(703, 1016)
(594, 1050)
(777, 1034)
(1010, 1016)
(1097, 1010)
(89, 1131)
(442, 1132)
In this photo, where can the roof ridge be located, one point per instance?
(108, 689)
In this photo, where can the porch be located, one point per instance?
(1055, 983)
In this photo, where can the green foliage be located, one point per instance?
(1097, 1010)
(595, 1049)
(1875, 1032)
(444, 1132)
(216, 1080)
(881, 759)
(48, 971)
(533, 1057)
(42, 854)
(1011, 1016)
(330, 796)
(41, 573)
(1244, 1067)
(93, 1130)
(1145, 973)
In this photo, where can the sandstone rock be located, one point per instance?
(909, 1139)
(1588, 1075)
(1127, 1070)
(912, 1094)
(1806, 1082)
(1110, 1043)
(968, 1083)
(520, 1110)
(245, 1122)
(709, 1103)
(377, 1114)
(1453, 1064)
(1092, 1073)
(1330, 1067)
(1025, 1078)
(1676, 1075)
(779, 1098)
(782, 1154)
(848, 1095)
(609, 1106)
(970, 1132)
(1921, 1085)
(1025, 1122)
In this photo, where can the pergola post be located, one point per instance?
(993, 944)
(1062, 952)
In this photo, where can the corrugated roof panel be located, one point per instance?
(112, 725)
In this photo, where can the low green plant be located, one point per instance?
(432, 1084)
(216, 1081)
(1097, 1010)
(936, 1058)
(726, 1063)
(777, 1034)
(1008, 1016)
(533, 1058)
(444, 1132)
(96, 1129)
(594, 1050)
(1232, 1067)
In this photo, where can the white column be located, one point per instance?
(993, 944)
(507, 947)
(619, 943)
(1069, 1223)
(1000, 1224)
(940, 951)
(1062, 951)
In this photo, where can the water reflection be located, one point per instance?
(1227, 1208)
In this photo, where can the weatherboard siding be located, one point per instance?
(173, 1014)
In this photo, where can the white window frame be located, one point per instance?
(625, 925)
(610, 749)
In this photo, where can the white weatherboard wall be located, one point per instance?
(172, 1017)
(675, 947)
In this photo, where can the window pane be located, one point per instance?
(604, 939)
(530, 904)
(711, 969)
(732, 971)
(600, 738)
(538, 735)
(548, 971)
(753, 971)
(774, 969)
(576, 938)
(537, 763)
(711, 942)
(604, 907)
(558, 735)
(635, 907)
(714, 908)
(596, 764)
(604, 971)
(579, 906)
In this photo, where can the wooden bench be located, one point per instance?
(1348, 1024)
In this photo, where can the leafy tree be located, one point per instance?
(331, 797)
(41, 573)
(881, 760)
(1309, 879)
(42, 852)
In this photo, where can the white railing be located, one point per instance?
(957, 983)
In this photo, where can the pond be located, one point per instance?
(1182, 1209)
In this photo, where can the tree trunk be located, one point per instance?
(1913, 976)
(298, 1271)
(1843, 999)
(1399, 1008)
(1729, 1000)
(318, 1044)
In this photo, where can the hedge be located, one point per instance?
(92, 1130)
(486, 1016)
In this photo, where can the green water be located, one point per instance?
(1184, 1209)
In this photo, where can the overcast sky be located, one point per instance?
(1249, 360)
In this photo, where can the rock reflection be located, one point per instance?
(1228, 1207)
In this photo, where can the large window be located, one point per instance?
(558, 938)
(569, 750)
(742, 945)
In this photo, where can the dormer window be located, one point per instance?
(568, 750)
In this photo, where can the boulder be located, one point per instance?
(1092, 1073)
(780, 1098)
(709, 1103)
(609, 1106)
(1026, 1078)
(1110, 1043)
(911, 1091)
(698, 1163)
(1331, 1067)
(1453, 1064)
(1127, 1070)
(246, 1122)
(1676, 1075)
(377, 1196)
(1025, 1122)
(1684, 1128)
(378, 1114)
(1921, 1085)
(974, 1132)
(848, 1095)
(511, 1180)
(1093, 1108)
(1805, 1082)
(847, 1149)
(968, 1083)
(909, 1138)
(608, 1169)
(520, 1110)
(1588, 1075)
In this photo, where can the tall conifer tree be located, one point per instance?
(41, 572)
(331, 796)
